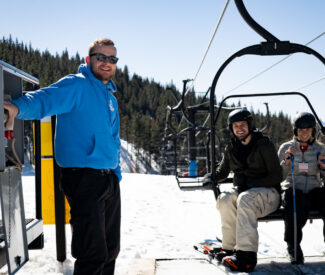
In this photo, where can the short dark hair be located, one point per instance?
(100, 42)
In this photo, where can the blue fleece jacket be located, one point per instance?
(87, 126)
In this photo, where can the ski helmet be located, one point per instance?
(304, 120)
(241, 115)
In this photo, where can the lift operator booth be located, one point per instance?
(17, 234)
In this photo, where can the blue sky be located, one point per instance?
(166, 41)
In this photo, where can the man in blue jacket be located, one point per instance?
(87, 147)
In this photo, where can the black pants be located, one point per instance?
(314, 200)
(95, 204)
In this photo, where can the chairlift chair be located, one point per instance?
(272, 46)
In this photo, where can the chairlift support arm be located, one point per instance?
(268, 118)
(253, 24)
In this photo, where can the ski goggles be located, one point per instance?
(103, 58)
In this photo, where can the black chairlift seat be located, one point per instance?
(278, 215)
(196, 183)
(186, 183)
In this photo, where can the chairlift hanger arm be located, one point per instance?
(264, 48)
(198, 128)
(253, 24)
(270, 37)
(268, 118)
(205, 96)
(199, 107)
(180, 105)
(169, 126)
(193, 109)
(173, 93)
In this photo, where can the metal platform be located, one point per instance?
(34, 230)
(186, 266)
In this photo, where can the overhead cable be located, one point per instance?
(300, 88)
(207, 50)
(310, 84)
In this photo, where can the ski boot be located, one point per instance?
(242, 261)
(300, 256)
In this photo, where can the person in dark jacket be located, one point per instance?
(309, 174)
(87, 147)
(253, 160)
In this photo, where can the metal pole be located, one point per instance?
(59, 206)
(294, 207)
(38, 179)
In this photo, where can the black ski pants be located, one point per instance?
(314, 200)
(95, 208)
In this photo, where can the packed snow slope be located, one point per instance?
(134, 161)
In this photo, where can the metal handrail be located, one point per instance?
(13, 70)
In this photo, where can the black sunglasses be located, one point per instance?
(103, 58)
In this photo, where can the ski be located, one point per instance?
(209, 247)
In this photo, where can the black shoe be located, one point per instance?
(300, 256)
(243, 261)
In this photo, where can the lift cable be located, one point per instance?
(302, 87)
(310, 84)
(206, 52)
(270, 67)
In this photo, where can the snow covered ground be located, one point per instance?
(160, 221)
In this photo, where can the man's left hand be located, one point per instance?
(207, 182)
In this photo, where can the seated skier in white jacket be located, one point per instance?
(309, 172)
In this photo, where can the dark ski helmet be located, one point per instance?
(240, 115)
(304, 120)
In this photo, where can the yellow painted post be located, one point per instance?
(48, 210)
